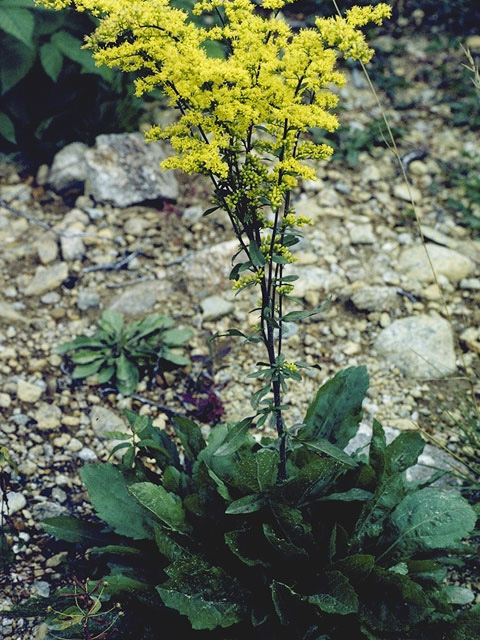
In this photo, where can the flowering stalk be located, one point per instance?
(243, 120)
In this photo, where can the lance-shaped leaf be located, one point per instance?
(335, 594)
(161, 503)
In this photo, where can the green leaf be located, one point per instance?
(78, 343)
(459, 595)
(247, 504)
(357, 567)
(206, 595)
(329, 449)
(234, 438)
(175, 358)
(404, 451)
(127, 374)
(152, 324)
(71, 47)
(190, 436)
(177, 337)
(72, 530)
(432, 519)
(335, 595)
(352, 495)
(293, 316)
(7, 130)
(105, 374)
(18, 23)
(286, 602)
(257, 471)
(286, 549)
(168, 547)
(241, 544)
(119, 583)
(116, 549)
(51, 60)
(161, 503)
(378, 447)
(107, 490)
(85, 370)
(467, 625)
(111, 322)
(336, 411)
(256, 256)
(17, 60)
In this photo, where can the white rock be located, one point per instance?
(215, 307)
(420, 346)
(28, 392)
(46, 279)
(9, 315)
(73, 247)
(5, 400)
(136, 226)
(68, 168)
(402, 192)
(375, 298)
(447, 262)
(16, 502)
(47, 250)
(48, 417)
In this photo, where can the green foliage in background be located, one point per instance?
(51, 92)
(344, 548)
(119, 353)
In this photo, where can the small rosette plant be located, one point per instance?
(120, 353)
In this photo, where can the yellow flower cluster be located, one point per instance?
(270, 86)
(290, 366)
(248, 280)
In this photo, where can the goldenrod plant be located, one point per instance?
(284, 537)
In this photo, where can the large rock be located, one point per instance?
(9, 315)
(375, 298)
(140, 299)
(103, 420)
(47, 279)
(311, 278)
(68, 168)
(215, 307)
(447, 262)
(420, 346)
(122, 169)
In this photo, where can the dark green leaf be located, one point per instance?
(107, 490)
(256, 256)
(161, 503)
(336, 411)
(293, 316)
(17, 60)
(85, 370)
(206, 595)
(286, 549)
(105, 374)
(175, 358)
(378, 447)
(352, 495)
(335, 594)
(190, 436)
(7, 130)
(127, 374)
(116, 549)
(329, 449)
(244, 546)
(459, 595)
(18, 23)
(247, 504)
(118, 583)
(168, 547)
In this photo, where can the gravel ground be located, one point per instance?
(364, 251)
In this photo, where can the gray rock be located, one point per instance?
(205, 273)
(420, 346)
(16, 502)
(470, 283)
(193, 214)
(41, 588)
(88, 299)
(20, 192)
(68, 168)
(123, 170)
(47, 509)
(451, 264)
(140, 299)
(215, 307)
(73, 247)
(375, 298)
(312, 278)
(46, 279)
(47, 250)
(103, 420)
(9, 315)
(362, 234)
(48, 417)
